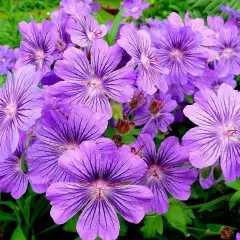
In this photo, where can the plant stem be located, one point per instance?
(208, 204)
(205, 231)
(47, 229)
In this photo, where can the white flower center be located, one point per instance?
(228, 51)
(91, 36)
(11, 110)
(3, 60)
(177, 54)
(134, 9)
(81, 3)
(99, 189)
(145, 61)
(40, 55)
(155, 171)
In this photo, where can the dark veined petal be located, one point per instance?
(130, 201)
(98, 219)
(66, 199)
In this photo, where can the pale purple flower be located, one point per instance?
(155, 114)
(13, 177)
(168, 171)
(75, 6)
(134, 8)
(84, 30)
(38, 45)
(197, 25)
(238, 236)
(60, 19)
(152, 25)
(228, 49)
(92, 84)
(177, 91)
(13, 171)
(179, 51)
(217, 135)
(20, 106)
(56, 134)
(216, 23)
(6, 57)
(234, 16)
(138, 45)
(103, 187)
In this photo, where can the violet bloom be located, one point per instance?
(75, 6)
(179, 51)
(138, 45)
(197, 25)
(216, 23)
(102, 187)
(167, 171)
(84, 30)
(55, 135)
(38, 45)
(238, 236)
(217, 134)
(92, 84)
(13, 171)
(20, 106)
(155, 114)
(60, 20)
(228, 49)
(134, 8)
(6, 57)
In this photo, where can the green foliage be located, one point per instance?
(123, 227)
(153, 224)
(18, 234)
(179, 216)
(71, 224)
(234, 199)
(111, 37)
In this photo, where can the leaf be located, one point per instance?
(110, 132)
(123, 227)
(233, 200)
(128, 139)
(18, 234)
(114, 29)
(235, 185)
(152, 225)
(117, 110)
(71, 225)
(27, 208)
(178, 217)
(6, 217)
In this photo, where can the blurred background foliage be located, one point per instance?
(14, 11)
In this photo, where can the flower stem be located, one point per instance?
(211, 203)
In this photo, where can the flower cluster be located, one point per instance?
(61, 96)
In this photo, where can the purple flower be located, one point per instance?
(50, 78)
(238, 236)
(92, 84)
(60, 20)
(75, 6)
(179, 51)
(228, 49)
(13, 171)
(13, 177)
(38, 45)
(84, 30)
(167, 171)
(177, 90)
(6, 58)
(197, 25)
(216, 24)
(134, 8)
(138, 46)
(155, 114)
(20, 106)
(56, 134)
(217, 135)
(152, 25)
(102, 187)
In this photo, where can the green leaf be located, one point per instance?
(110, 132)
(6, 217)
(179, 217)
(114, 29)
(2, 80)
(27, 208)
(205, 172)
(233, 200)
(71, 225)
(117, 110)
(123, 227)
(153, 224)
(128, 138)
(235, 185)
(18, 234)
